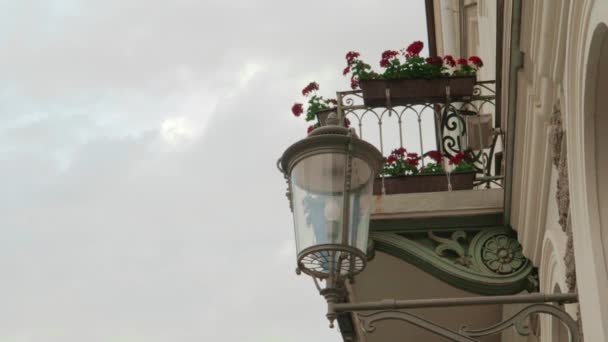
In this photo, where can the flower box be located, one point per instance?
(407, 91)
(424, 183)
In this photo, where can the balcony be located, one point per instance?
(444, 233)
(448, 238)
(445, 124)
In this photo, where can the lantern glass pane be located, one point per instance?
(318, 201)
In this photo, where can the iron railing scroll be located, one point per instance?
(424, 125)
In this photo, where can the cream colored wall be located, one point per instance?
(580, 73)
(539, 96)
(447, 27)
(552, 268)
(486, 20)
(556, 39)
(558, 75)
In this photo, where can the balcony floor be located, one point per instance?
(437, 210)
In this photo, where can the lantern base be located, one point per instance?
(322, 260)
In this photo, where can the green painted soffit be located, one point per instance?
(483, 260)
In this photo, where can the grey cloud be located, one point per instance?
(113, 233)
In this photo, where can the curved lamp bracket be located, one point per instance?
(370, 313)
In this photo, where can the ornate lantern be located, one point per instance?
(330, 177)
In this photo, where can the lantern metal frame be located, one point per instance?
(356, 263)
(333, 138)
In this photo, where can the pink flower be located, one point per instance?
(415, 48)
(297, 109)
(462, 61)
(476, 61)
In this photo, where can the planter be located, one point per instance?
(424, 183)
(408, 91)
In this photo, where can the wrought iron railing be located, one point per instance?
(448, 125)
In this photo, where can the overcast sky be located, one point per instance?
(139, 197)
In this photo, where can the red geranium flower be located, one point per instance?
(351, 56)
(412, 155)
(415, 48)
(391, 159)
(354, 84)
(310, 128)
(309, 88)
(297, 109)
(346, 70)
(388, 54)
(435, 61)
(476, 61)
(457, 159)
(412, 162)
(462, 61)
(435, 155)
(399, 151)
(449, 60)
(384, 63)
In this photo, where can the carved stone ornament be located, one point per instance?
(563, 193)
(560, 161)
(556, 134)
(562, 196)
(502, 254)
(569, 262)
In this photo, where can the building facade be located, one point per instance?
(549, 59)
(550, 62)
(533, 217)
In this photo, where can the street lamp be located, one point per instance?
(330, 177)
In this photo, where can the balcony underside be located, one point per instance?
(457, 237)
(390, 277)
